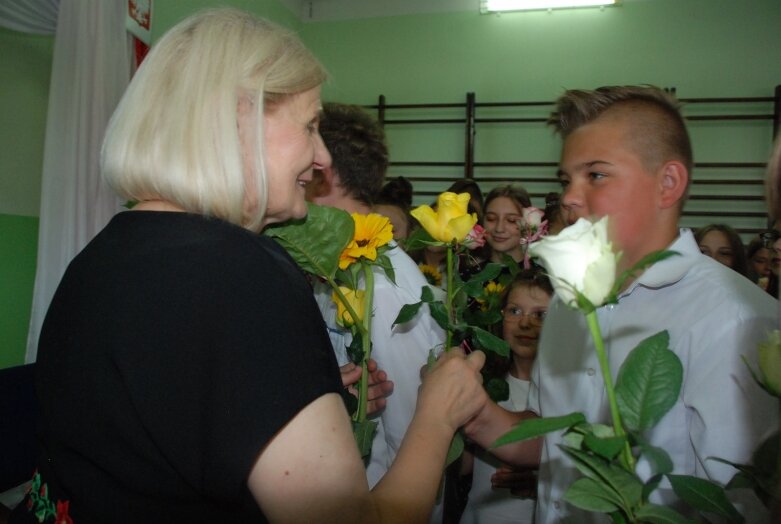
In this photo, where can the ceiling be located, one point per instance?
(323, 10)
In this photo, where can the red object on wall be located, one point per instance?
(141, 49)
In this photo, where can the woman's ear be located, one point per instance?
(674, 183)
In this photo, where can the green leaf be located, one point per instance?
(762, 474)
(510, 263)
(355, 349)
(651, 484)
(483, 319)
(490, 342)
(474, 287)
(704, 495)
(605, 447)
(536, 427)
(497, 389)
(590, 495)
(407, 313)
(618, 518)
(659, 515)
(350, 402)
(573, 439)
(648, 383)
(455, 450)
(658, 459)
(364, 434)
(316, 241)
(419, 239)
(384, 262)
(626, 485)
(427, 295)
(439, 314)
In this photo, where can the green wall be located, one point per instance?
(705, 48)
(19, 235)
(25, 65)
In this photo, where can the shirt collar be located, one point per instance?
(671, 270)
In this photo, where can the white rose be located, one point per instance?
(579, 258)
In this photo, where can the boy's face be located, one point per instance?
(602, 175)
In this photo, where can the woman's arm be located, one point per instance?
(312, 472)
(493, 422)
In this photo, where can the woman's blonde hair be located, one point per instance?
(174, 135)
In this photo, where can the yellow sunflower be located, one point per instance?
(490, 290)
(432, 274)
(372, 231)
(355, 298)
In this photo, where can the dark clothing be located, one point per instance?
(174, 350)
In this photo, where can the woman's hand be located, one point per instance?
(452, 390)
(379, 385)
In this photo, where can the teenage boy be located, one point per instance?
(627, 154)
(354, 179)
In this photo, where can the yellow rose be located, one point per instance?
(450, 222)
(355, 299)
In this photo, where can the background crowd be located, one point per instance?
(188, 371)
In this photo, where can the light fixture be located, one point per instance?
(495, 6)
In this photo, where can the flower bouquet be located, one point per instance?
(453, 228)
(582, 267)
(342, 250)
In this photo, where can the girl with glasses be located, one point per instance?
(499, 493)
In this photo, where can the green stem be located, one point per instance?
(366, 341)
(364, 328)
(449, 305)
(627, 460)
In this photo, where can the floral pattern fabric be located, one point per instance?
(39, 503)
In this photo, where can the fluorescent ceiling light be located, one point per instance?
(523, 5)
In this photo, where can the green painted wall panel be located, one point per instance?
(19, 236)
(703, 47)
(25, 67)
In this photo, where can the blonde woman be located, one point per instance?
(184, 372)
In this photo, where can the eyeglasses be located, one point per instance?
(515, 314)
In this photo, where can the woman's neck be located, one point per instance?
(157, 205)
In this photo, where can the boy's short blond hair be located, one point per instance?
(174, 134)
(658, 130)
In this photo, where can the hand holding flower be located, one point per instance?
(452, 389)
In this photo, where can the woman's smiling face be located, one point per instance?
(293, 149)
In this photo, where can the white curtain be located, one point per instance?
(29, 16)
(91, 67)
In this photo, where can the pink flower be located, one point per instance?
(475, 238)
(532, 225)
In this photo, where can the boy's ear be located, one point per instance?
(322, 183)
(674, 181)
